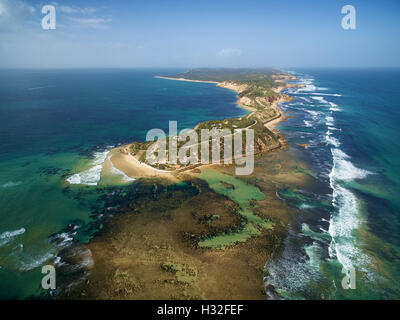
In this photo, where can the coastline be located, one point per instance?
(148, 249)
(161, 259)
(123, 161)
(183, 79)
(238, 88)
(231, 86)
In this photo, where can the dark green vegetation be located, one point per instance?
(259, 82)
(228, 74)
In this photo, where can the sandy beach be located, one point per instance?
(122, 160)
(183, 79)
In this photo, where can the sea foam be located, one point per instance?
(91, 176)
(343, 168)
(331, 140)
(11, 184)
(334, 107)
(7, 236)
(307, 123)
(308, 85)
(347, 217)
(328, 94)
(320, 99)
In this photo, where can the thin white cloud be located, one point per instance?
(74, 9)
(82, 16)
(96, 23)
(15, 14)
(15, 7)
(66, 9)
(229, 52)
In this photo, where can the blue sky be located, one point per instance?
(202, 33)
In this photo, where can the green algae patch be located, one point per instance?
(227, 239)
(243, 194)
(238, 190)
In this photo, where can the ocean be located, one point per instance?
(58, 125)
(348, 120)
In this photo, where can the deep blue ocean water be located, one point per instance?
(57, 124)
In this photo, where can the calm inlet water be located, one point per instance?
(57, 126)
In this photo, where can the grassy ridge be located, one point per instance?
(244, 75)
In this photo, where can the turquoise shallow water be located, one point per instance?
(56, 123)
(349, 119)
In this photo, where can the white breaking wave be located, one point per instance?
(10, 184)
(307, 88)
(315, 114)
(305, 99)
(320, 99)
(91, 176)
(328, 94)
(64, 239)
(308, 85)
(334, 107)
(329, 121)
(29, 262)
(341, 227)
(7, 236)
(331, 140)
(344, 169)
(347, 218)
(307, 123)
